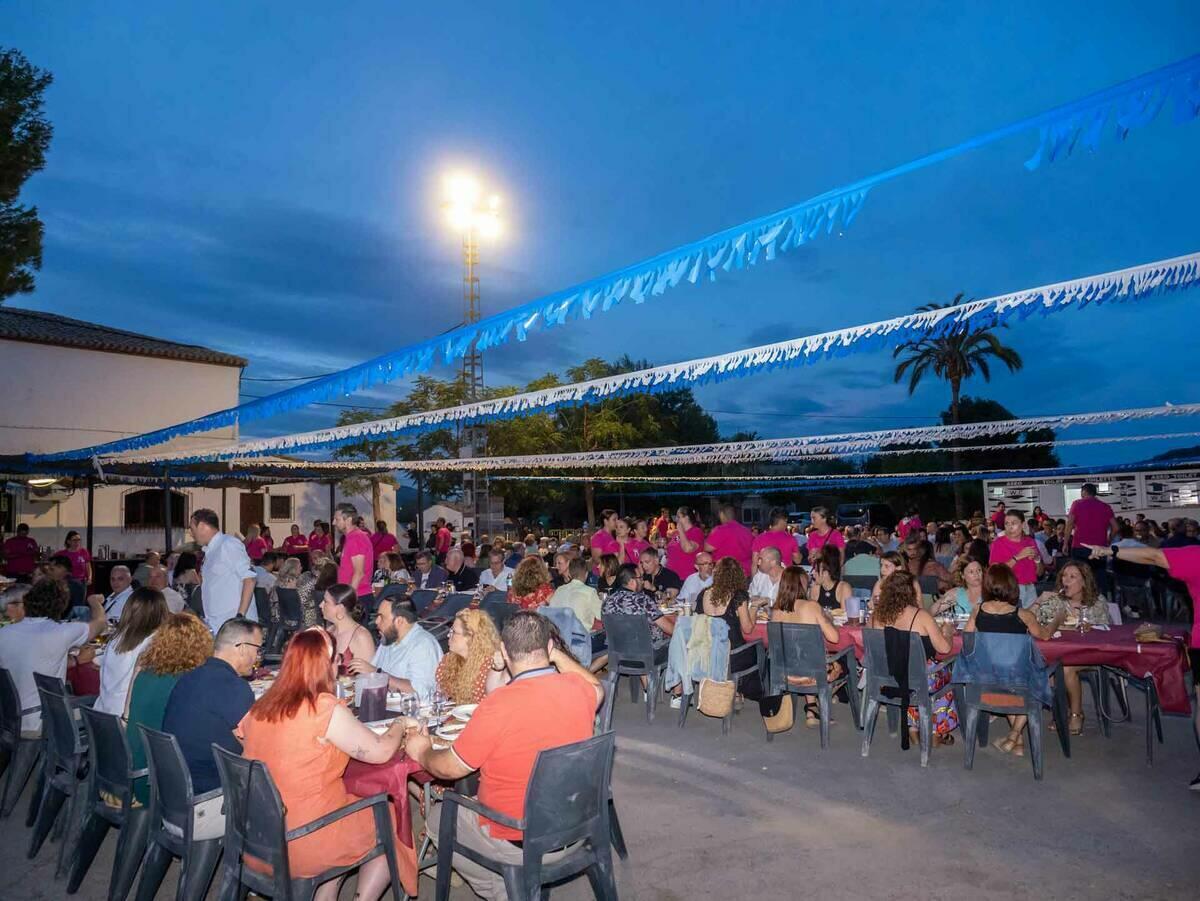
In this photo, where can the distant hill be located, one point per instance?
(1180, 453)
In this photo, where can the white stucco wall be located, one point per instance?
(58, 398)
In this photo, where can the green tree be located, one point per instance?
(955, 357)
(24, 138)
(382, 449)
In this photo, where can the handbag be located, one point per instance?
(782, 719)
(715, 698)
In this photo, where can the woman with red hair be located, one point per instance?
(306, 737)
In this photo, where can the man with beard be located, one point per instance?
(407, 653)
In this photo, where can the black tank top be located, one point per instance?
(827, 597)
(1008, 623)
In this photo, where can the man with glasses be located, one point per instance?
(205, 707)
(700, 579)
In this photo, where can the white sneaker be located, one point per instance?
(676, 702)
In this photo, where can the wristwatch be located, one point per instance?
(1114, 550)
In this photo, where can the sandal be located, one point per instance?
(1019, 747)
(944, 741)
(1071, 727)
(1007, 744)
(812, 715)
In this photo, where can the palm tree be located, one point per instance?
(954, 357)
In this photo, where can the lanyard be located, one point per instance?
(535, 673)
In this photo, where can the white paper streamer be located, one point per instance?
(1132, 283)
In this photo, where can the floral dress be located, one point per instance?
(1049, 608)
(536, 598)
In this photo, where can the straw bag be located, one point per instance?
(715, 698)
(782, 719)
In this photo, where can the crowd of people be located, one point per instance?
(183, 635)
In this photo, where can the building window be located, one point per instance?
(144, 509)
(281, 507)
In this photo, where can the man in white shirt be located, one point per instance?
(699, 580)
(157, 579)
(408, 654)
(497, 575)
(121, 582)
(765, 584)
(39, 644)
(264, 571)
(227, 579)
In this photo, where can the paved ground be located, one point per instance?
(712, 816)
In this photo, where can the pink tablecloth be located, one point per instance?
(364, 779)
(1165, 662)
(84, 679)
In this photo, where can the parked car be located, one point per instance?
(871, 515)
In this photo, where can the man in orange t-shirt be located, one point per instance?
(551, 701)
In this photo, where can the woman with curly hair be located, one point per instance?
(530, 587)
(898, 610)
(179, 645)
(469, 671)
(727, 598)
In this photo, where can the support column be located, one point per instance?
(420, 511)
(332, 504)
(167, 515)
(91, 511)
(224, 510)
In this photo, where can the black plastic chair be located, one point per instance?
(879, 678)
(566, 806)
(254, 826)
(20, 756)
(498, 608)
(422, 600)
(111, 772)
(1008, 697)
(171, 823)
(1153, 711)
(799, 664)
(291, 617)
(64, 765)
(929, 586)
(262, 607)
(631, 653)
(449, 607)
(743, 661)
(391, 590)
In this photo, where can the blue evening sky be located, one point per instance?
(264, 179)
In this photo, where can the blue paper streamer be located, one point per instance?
(1110, 287)
(1131, 104)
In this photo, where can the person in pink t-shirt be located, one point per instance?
(265, 532)
(255, 546)
(1090, 521)
(910, 523)
(382, 540)
(628, 548)
(1019, 552)
(823, 534)
(602, 541)
(686, 542)
(732, 539)
(443, 540)
(81, 560)
(997, 518)
(358, 558)
(776, 536)
(1182, 563)
(638, 541)
(295, 543)
(320, 539)
(21, 554)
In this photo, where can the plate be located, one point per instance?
(463, 712)
(449, 731)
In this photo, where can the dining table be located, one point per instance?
(1164, 661)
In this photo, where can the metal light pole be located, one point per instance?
(470, 215)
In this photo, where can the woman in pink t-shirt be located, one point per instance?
(81, 560)
(686, 542)
(627, 549)
(255, 546)
(295, 543)
(264, 532)
(319, 539)
(1019, 552)
(823, 534)
(638, 541)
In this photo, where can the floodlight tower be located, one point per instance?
(468, 213)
